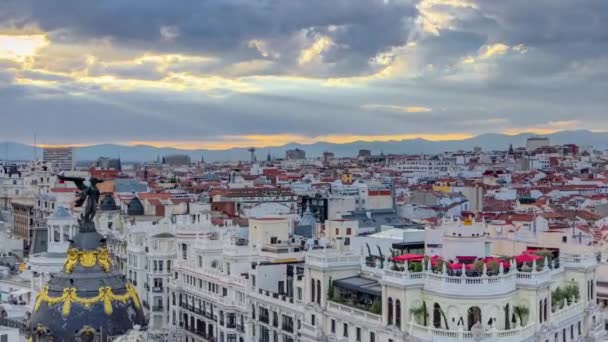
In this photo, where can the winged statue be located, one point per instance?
(87, 196)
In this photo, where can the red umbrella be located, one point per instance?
(458, 266)
(466, 258)
(409, 257)
(527, 257)
(499, 260)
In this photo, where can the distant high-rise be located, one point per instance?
(327, 156)
(364, 154)
(61, 158)
(295, 154)
(176, 160)
(536, 142)
(252, 152)
(109, 163)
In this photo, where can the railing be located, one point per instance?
(192, 267)
(578, 260)
(11, 323)
(429, 333)
(569, 311)
(323, 261)
(362, 315)
(273, 297)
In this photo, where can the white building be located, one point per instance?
(231, 289)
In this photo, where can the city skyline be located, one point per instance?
(242, 73)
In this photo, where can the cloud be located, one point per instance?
(406, 109)
(241, 70)
(21, 47)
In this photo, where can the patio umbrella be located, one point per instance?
(527, 258)
(409, 257)
(458, 266)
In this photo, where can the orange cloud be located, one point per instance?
(269, 140)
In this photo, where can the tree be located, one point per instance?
(522, 313)
(376, 307)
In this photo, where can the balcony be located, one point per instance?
(428, 333)
(157, 289)
(341, 310)
(157, 308)
(332, 259)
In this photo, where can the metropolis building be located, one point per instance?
(87, 300)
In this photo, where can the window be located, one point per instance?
(564, 239)
(390, 311)
(333, 326)
(349, 231)
(337, 231)
(347, 241)
(184, 251)
(358, 335)
(299, 293)
(372, 336)
(571, 331)
(398, 313)
(345, 330)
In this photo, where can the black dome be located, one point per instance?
(135, 208)
(108, 203)
(87, 298)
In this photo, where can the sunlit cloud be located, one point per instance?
(315, 50)
(547, 128)
(272, 140)
(21, 47)
(406, 109)
(436, 15)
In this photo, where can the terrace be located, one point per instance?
(357, 292)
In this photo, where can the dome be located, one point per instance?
(86, 300)
(308, 219)
(61, 213)
(135, 208)
(108, 203)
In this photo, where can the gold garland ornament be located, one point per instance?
(69, 296)
(87, 259)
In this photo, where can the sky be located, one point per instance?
(235, 73)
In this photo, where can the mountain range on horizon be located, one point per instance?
(140, 153)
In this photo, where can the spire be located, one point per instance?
(511, 149)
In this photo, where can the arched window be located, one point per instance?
(437, 315)
(473, 316)
(319, 292)
(312, 290)
(540, 311)
(545, 309)
(390, 311)
(398, 313)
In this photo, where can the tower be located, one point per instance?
(252, 151)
